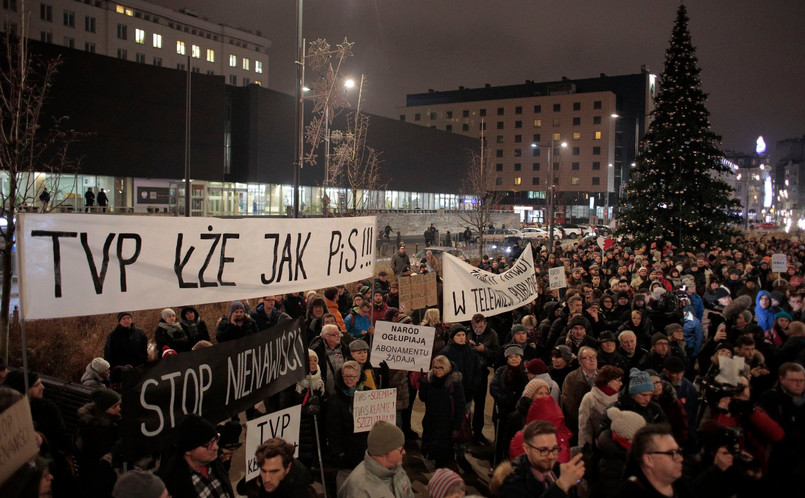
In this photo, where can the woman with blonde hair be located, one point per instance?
(443, 395)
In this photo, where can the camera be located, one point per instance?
(712, 390)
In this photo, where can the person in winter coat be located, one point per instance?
(603, 394)
(545, 408)
(442, 337)
(630, 350)
(400, 261)
(98, 430)
(563, 361)
(358, 322)
(764, 312)
(578, 383)
(608, 352)
(194, 326)
(236, 325)
(641, 326)
(126, 345)
(516, 420)
(613, 445)
(484, 340)
(310, 394)
(281, 475)
(508, 384)
(381, 473)
(170, 333)
(519, 337)
(665, 396)
(464, 359)
(636, 397)
(332, 349)
(266, 315)
(314, 318)
(536, 369)
(96, 374)
(346, 446)
(444, 397)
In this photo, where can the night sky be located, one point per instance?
(751, 52)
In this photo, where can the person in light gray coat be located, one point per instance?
(380, 474)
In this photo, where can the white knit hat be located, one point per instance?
(625, 423)
(99, 365)
(532, 387)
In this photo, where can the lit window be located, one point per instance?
(196, 51)
(180, 48)
(245, 63)
(258, 67)
(233, 61)
(518, 180)
(557, 136)
(576, 135)
(129, 12)
(537, 123)
(574, 180)
(120, 9)
(157, 40)
(598, 135)
(139, 36)
(210, 55)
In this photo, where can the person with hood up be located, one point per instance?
(96, 373)
(194, 326)
(170, 333)
(640, 324)
(764, 312)
(314, 317)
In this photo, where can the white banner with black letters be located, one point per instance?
(283, 424)
(85, 264)
(469, 290)
(402, 346)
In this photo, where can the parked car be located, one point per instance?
(498, 234)
(540, 233)
(437, 253)
(572, 231)
(507, 244)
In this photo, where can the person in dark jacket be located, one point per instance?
(534, 473)
(281, 475)
(194, 326)
(236, 325)
(126, 345)
(267, 314)
(445, 406)
(98, 430)
(612, 446)
(294, 305)
(508, 384)
(400, 261)
(484, 341)
(346, 446)
(194, 469)
(170, 334)
(465, 359)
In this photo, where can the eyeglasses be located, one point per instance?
(350, 377)
(212, 443)
(675, 454)
(545, 451)
(591, 357)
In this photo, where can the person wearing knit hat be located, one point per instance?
(660, 350)
(624, 424)
(381, 472)
(446, 484)
(98, 430)
(106, 400)
(513, 350)
(169, 332)
(139, 484)
(639, 382)
(16, 380)
(96, 373)
(669, 329)
(536, 387)
(536, 367)
(168, 313)
(563, 361)
(126, 345)
(197, 452)
(237, 325)
(358, 345)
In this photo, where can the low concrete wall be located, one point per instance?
(414, 224)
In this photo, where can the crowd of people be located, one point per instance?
(654, 372)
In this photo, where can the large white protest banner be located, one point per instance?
(283, 424)
(469, 290)
(402, 346)
(81, 264)
(370, 406)
(17, 438)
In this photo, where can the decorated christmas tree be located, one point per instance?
(676, 192)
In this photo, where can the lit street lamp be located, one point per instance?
(551, 189)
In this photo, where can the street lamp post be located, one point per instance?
(551, 190)
(300, 107)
